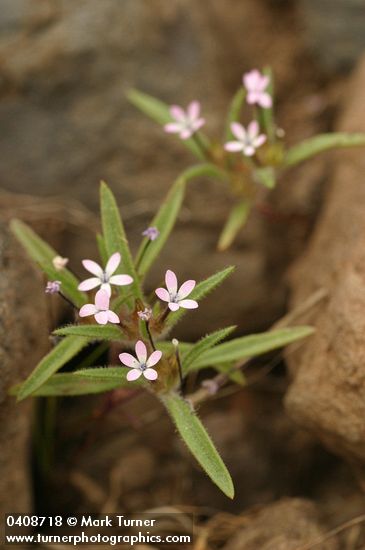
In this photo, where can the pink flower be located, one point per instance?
(186, 123)
(256, 84)
(247, 140)
(141, 365)
(174, 296)
(53, 287)
(104, 277)
(100, 309)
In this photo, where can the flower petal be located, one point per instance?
(265, 100)
(259, 140)
(150, 374)
(264, 82)
(193, 110)
(253, 129)
(171, 281)
(173, 127)
(93, 267)
(141, 351)
(197, 124)
(186, 133)
(173, 306)
(101, 317)
(162, 294)
(102, 300)
(87, 309)
(251, 79)
(238, 131)
(133, 374)
(185, 289)
(177, 113)
(233, 146)
(129, 360)
(249, 150)
(121, 280)
(113, 317)
(107, 288)
(154, 358)
(113, 263)
(189, 304)
(88, 284)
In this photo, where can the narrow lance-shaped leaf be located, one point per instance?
(201, 290)
(234, 111)
(92, 332)
(103, 253)
(115, 237)
(234, 375)
(318, 144)
(236, 220)
(250, 346)
(204, 345)
(51, 363)
(198, 442)
(266, 176)
(160, 112)
(110, 373)
(82, 383)
(43, 255)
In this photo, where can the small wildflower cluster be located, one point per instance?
(112, 306)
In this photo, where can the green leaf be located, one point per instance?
(198, 442)
(164, 221)
(235, 221)
(83, 382)
(204, 345)
(102, 248)
(250, 346)
(266, 176)
(160, 112)
(234, 111)
(323, 142)
(65, 350)
(115, 237)
(92, 332)
(201, 290)
(43, 254)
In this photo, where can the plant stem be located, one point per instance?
(178, 360)
(150, 335)
(67, 300)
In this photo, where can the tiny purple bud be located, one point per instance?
(53, 287)
(59, 262)
(151, 233)
(211, 386)
(146, 314)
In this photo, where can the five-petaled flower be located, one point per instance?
(186, 123)
(142, 364)
(100, 309)
(247, 140)
(104, 277)
(174, 296)
(256, 84)
(53, 287)
(151, 233)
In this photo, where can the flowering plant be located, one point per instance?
(111, 307)
(248, 160)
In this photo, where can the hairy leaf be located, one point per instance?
(65, 350)
(43, 255)
(250, 346)
(206, 343)
(92, 332)
(115, 237)
(198, 442)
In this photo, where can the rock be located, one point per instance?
(65, 70)
(337, 41)
(284, 525)
(327, 394)
(23, 340)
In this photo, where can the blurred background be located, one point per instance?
(65, 68)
